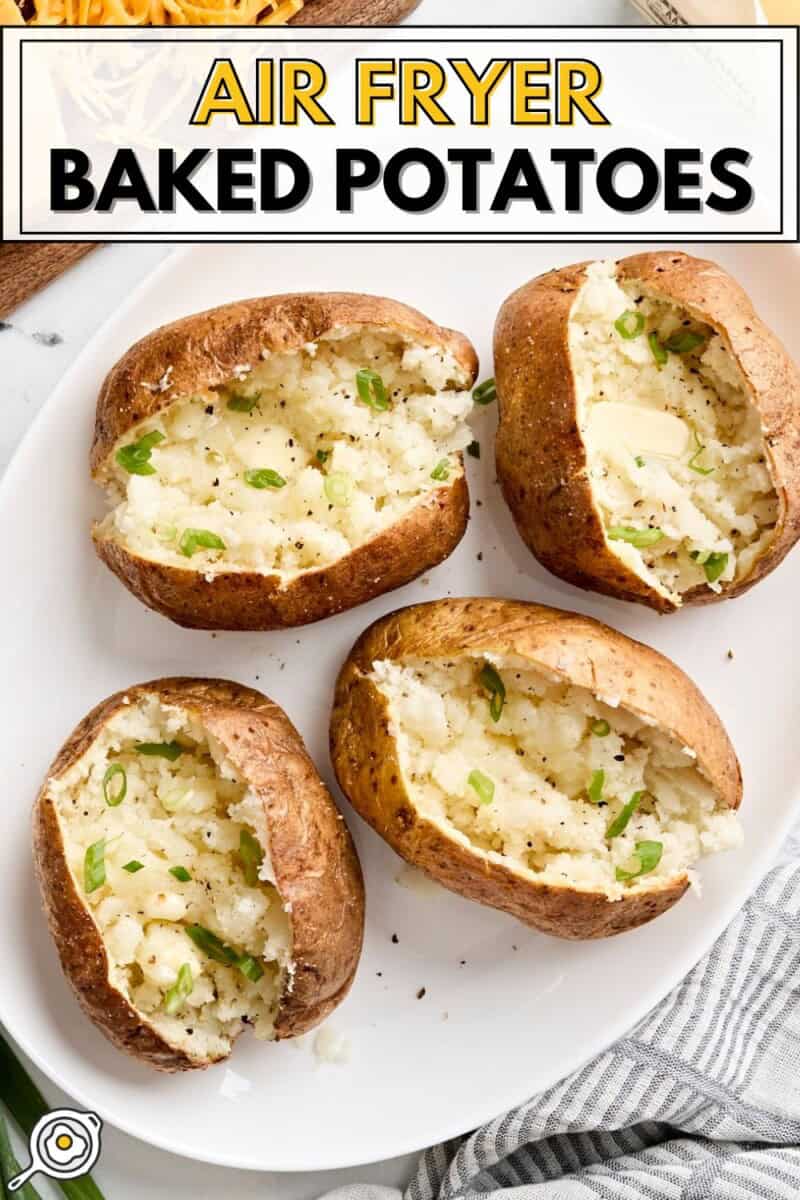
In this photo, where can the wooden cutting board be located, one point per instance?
(25, 267)
(354, 12)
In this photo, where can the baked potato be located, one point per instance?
(196, 875)
(273, 462)
(535, 761)
(649, 439)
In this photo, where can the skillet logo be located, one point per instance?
(64, 1144)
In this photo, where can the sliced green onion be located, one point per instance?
(339, 489)
(441, 471)
(199, 539)
(474, 449)
(491, 681)
(622, 819)
(659, 351)
(486, 392)
(630, 325)
(170, 750)
(176, 996)
(180, 873)
(251, 969)
(595, 789)
(601, 728)
(251, 857)
(323, 456)
(699, 449)
(175, 798)
(482, 785)
(210, 944)
(94, 866)
(264, 477)
(111, 797)
(242, 404)
(715, 565)
(372, 390)
(215, 949)
(649, 855)
(637, 537)
(133, 866)
(639, 460)
(683, 341)
(135, 457)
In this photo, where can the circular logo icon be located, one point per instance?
(63, 1145)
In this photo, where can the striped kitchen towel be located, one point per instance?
(701, 1101)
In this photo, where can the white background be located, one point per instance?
(74, 308)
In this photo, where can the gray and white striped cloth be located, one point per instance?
(701, 1101)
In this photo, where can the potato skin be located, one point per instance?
(202, 351)
(541, 458)
(575, 648)
(317, 871)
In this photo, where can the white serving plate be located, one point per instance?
(521, 1010)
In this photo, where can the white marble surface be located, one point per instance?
(37, 345)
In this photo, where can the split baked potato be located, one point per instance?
(649, 438)
(196, 875)
(535, 761)
(272, 462)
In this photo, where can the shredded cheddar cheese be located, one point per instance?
(152, 12)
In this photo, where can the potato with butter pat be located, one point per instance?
(196, 875)
(535, 761)
(649, 433)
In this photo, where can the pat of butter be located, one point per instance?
(640, 430)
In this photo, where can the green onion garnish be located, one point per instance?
(683, 342)
(620, 822)
(630, 325)
(474, 449)
(114, 797)
(94, 866)
(637, 537)
(180, 873)
(483, 785)
(699, 449)
(177, 995)
(601, 728)
(595, 789)
(715, 565)
(243, 404)
(250, 968)
(372, 390)
(215, 948)
(135, 457)
(649, 855)
(133, 866)
(639, 460)
(251, 857)
(339, 489)
(491, 681)
(441, 471)
(211, 945)
(486, 392)
(659, 352)
(170, 750)
(264, 478)
(323, 456)
(197, 539)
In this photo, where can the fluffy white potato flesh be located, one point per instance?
(286, 465)
(675, 447)
(541, 788)
(189, 815)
